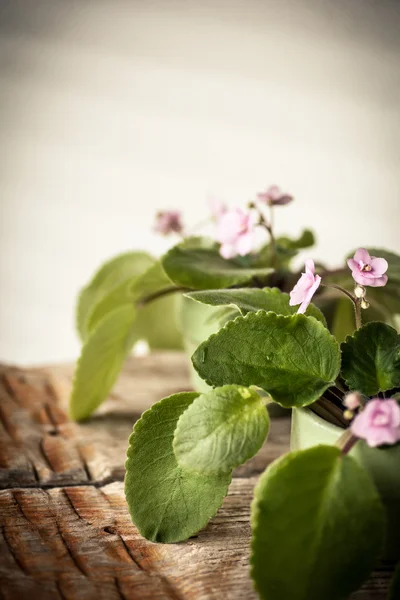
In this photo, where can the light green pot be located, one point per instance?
(383, 465)
(196, 323)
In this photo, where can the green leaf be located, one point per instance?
(306, 240)
(371, 359)
(119, 296)
(343, 322)
(295, 359)
(394, 593)
(221, 430)
(131, 289)
(318, 526)
(198, 267)
(101, 360)
(107, 278)
(167, 503)
(254, 299)
(151, 324)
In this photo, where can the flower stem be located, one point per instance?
(356, 302)
(357, 312)
(346, 442)
(172, 289)
(270, 228)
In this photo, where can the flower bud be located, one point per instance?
(364, 303)
(360, 291)
(352, 401)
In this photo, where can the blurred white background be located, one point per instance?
(112, 109)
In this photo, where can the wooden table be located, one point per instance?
(65, 532)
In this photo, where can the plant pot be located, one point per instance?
(197, 322)
(383, 465)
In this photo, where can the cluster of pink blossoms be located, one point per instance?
(366, 271)
(378, 423)
(238, 231)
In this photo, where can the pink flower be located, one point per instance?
(352, 400)
(236, 232)
(168, 221)
(368, 270)
(274, 196)
(378, 423)
(305, 288)
(217, 207)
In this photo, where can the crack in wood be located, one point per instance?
(68, 549)
(59, 590)
(10, 390)
(50, 417)
(150, 572)
(61, 484)
(35, 472)
(85, 467)
(12, 551)
(71, 503)
(8, 427)
(118, 587)
(44, 454)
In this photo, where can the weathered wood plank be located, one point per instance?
(65, 531)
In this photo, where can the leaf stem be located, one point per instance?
(346, 442)
(172, 289)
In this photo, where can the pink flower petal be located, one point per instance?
(378, 423)
(297, 294)
(352, 264)
(362, 278)
(378, 281)
(310, 267)
(379, 265)
(304, 305)
(227, 251)
(244, 244)
(362, 255)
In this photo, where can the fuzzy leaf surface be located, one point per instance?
(371, 359)
(221, 430)
(318, 526)
(295, 359)
(167, 503)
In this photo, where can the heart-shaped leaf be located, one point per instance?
(167, 503)
(371, 359)
(201, 267)
(151, 324)
(101, 360)
(295, 359)
(221, 430)
(318, 526)
(254, 299)
(110, 276)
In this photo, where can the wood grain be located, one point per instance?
(65, 532)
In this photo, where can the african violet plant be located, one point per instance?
(318, 519)
(135, 296)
